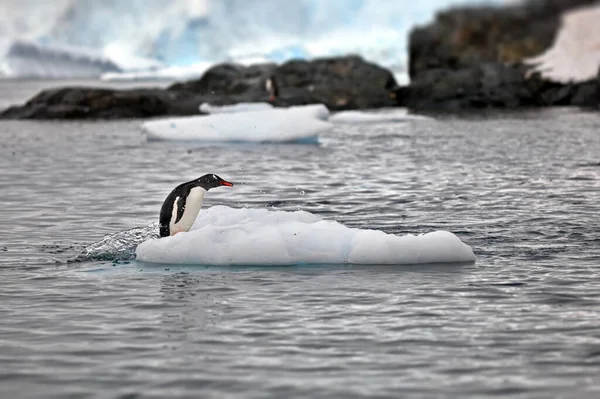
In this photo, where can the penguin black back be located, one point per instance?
(181, 198)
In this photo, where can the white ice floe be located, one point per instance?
(318, 111)
(396, 115)
(294, 124)
(575, 54)
(229, 109)
(228, 236)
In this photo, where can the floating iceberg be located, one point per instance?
(229, 109)
(228, 236)
(397, 115)
(294, 124)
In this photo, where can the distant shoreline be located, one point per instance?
(468, 59)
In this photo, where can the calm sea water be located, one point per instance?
(522, 322)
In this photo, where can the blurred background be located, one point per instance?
(181, 38)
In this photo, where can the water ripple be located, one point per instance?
(521, 189)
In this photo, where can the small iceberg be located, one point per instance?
(301, 124)
(230, 109)
(229, 236)
(397, 115)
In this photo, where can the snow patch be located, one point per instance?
(575, 54)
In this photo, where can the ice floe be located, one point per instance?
(230, 109)
(229, 236)
(396, 115)
(294, 124)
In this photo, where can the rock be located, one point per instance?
(480, 86)
(82, 102)
(471, 58)
(227, 79)
(463, 37)
(493, 85)
(548, 93)
(339, 83)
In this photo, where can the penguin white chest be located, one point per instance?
(191, 208)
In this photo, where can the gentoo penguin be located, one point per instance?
(272, 88)
(180, 209)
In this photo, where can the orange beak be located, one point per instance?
(226, 183)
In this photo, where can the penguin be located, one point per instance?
(272, 88)
(180, 209)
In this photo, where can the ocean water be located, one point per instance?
(522, 189)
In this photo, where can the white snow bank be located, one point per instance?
(575, 54)
(239, 107)
(294, 124)
(396, 115)
(228, 236)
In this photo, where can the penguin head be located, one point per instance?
(211, 181)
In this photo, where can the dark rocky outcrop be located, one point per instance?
(339, 83)
(493, 85)
(480, 86)
(465, 37)
(83, 102)
(471, 58)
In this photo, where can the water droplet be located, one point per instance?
(242, 167)
(302, 192)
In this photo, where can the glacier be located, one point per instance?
(150, 35)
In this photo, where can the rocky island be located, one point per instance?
(467, 58)
(478, 58)
(339, 83)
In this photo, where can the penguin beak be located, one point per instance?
(226, 183)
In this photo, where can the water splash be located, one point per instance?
(118, 246)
